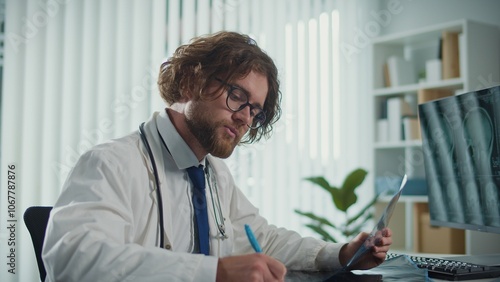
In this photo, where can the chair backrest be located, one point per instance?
(36, 219)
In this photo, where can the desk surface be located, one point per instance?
(295, 276)
(298, 276)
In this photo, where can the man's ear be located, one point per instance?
(185, 91)
(186, 95)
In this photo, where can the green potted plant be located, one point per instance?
(343, 198)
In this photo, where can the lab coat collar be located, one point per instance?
(160, 123)
(179, 150)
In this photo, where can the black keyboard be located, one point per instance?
(447, 269)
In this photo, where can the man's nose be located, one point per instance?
(244, 115)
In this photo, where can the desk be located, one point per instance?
(298, 276)
(393, 270)
(326, 276)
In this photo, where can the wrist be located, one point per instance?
(327, 259)
(344, 255)
(220, 274)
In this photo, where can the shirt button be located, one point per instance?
(168, 246)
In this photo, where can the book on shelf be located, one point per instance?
(397, 108)
(382, 130)
(398, 71)
(411, 128)
(426, 95)
(387, 78)
(461, 53)
(433, 71)
(450, 54)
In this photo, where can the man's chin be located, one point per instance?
(222, 156)
(222, 153)
(224, 146)
(223, 150)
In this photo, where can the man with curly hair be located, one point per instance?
(131, 209)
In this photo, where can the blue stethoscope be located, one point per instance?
(219, 217)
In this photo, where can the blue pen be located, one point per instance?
(252, 239)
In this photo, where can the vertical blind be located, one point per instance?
(302, 43)
(302, 38)
(77, 73)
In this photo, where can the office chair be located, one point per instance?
(36, 219)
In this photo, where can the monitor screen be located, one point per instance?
(461, 146)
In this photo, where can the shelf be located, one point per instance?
(454, 83)
(478, 61)
(405, 199)
(398, 145)
(420, 35)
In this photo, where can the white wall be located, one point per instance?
(382, 17)
(414, 14)
(419, 13)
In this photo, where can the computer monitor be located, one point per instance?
(461, 146)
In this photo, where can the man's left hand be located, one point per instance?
(374, 256)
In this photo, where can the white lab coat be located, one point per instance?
(104, 226)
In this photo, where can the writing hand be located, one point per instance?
(253, 267)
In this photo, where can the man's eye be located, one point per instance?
(238, 95)
(255, 112)
(259, 115)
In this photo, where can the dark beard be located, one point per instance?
(206, 133)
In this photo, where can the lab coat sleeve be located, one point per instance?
(90, 235)
(293, 250)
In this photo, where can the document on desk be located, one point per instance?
(376, 232)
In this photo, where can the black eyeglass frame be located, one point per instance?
(257, 118)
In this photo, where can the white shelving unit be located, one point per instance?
(479, 68)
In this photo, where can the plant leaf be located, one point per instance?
(334, 192)
(319, 219)
(367, 207)
(337, 198)
(353, 231)
(343, 199)
(362, 220)
(323, 233)
(320, 181)
(346, 197)
(354, 179)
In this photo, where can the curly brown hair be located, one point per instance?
(225, 55)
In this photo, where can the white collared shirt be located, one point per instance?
(177, 156)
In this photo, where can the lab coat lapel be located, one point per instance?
(150, 128)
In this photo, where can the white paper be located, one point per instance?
(382, 223)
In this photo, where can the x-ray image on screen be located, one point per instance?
(461, 145)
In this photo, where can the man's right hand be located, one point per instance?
(253, 267)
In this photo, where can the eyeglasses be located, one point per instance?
(237, 100)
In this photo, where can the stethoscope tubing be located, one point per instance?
(157, 183)
(159, 196)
